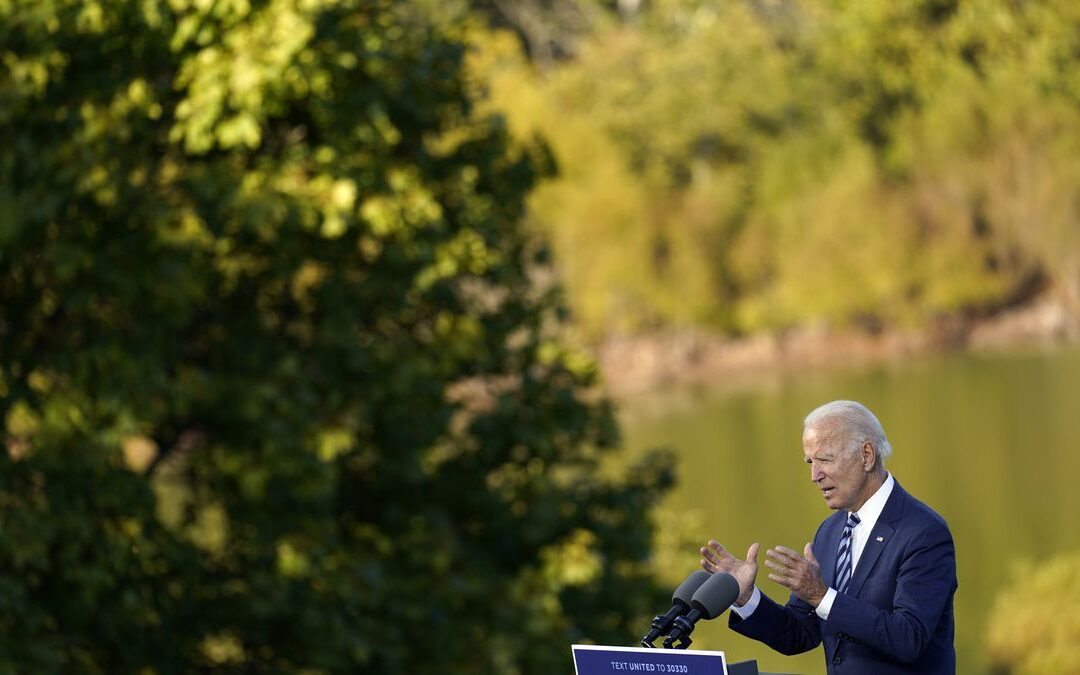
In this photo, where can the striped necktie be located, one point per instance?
(843, 556)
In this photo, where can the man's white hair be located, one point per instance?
(857, 424)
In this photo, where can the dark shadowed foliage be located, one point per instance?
(280, 384)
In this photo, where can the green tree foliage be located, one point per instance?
(1035, 624)
(277, 377)
(550, 30)
(754, 166)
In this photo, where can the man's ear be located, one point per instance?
(869, 456)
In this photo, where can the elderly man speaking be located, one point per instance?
(877, 585)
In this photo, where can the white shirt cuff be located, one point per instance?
(746, 610)
(825, 605)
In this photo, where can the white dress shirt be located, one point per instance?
(860, 534)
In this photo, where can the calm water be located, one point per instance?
(991, 443)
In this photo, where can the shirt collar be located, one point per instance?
(873, 507)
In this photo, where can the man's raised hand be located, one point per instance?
(801, 574)
(717, 559)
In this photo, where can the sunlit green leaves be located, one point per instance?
(268, 320)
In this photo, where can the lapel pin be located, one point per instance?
(881, 538)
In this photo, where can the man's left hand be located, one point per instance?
(799, 573)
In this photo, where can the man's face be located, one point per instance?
(842, 476)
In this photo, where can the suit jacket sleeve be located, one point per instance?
(793, 628)
(789, 629)
(924, 584)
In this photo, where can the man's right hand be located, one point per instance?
(717, 559)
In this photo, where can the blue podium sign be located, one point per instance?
(599, 660)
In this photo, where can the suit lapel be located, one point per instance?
(879, 538)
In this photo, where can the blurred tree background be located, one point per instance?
(284, 374)
(1035, 624)
(280, 372)
(716, 155)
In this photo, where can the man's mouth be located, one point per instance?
(825, 492)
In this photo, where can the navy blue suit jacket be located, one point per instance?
(897, 614)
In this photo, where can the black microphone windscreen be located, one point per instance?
(716, 595)
(685, 592)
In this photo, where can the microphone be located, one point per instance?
(680, 604)
(709, 601)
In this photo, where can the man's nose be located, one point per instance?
(815, 473)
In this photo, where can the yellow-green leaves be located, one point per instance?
(230, 82)
(818, 163)
(1035, 625)
(409, 206)
(573, 561)
(464, 255)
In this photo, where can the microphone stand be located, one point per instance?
(679, 638)
(657, 630)
(684, 641)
